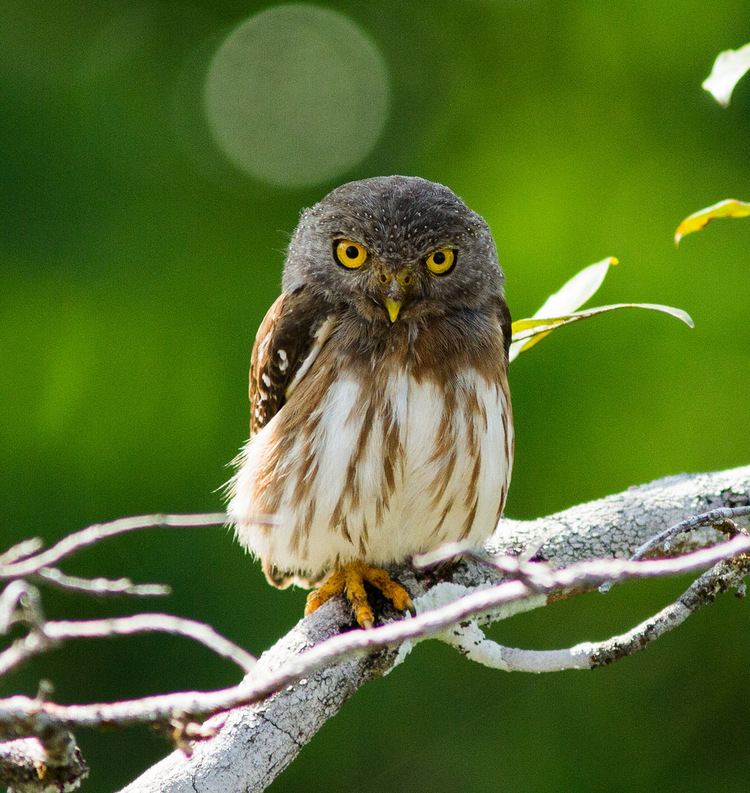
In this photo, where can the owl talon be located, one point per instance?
(393, 591)
(333, 585)
(349, 581)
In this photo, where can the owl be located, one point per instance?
(381, 421)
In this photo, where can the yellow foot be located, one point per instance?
(350, 580)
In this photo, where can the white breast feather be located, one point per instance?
(335, 438)
(408, 525)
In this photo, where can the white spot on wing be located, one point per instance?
(321, 337)
(263, 346)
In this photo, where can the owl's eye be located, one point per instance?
(441, 261)
(349, 253)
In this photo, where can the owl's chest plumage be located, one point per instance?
(378, 455)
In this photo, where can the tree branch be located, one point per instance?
(46, 756)
(720, 518)
(27, 766)
(308, 675)
(492, 602)
(255, 743)
(469, 639)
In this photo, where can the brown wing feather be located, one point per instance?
(292, 329)
(284, 340)
(506, 325)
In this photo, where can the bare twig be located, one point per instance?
(100, 531)
(60, 631)
(20, 602)
(197, 705)
(712, 517)
(306, 677)
(45, 635)
(100, 586)
(62, 766)
(22, 650)
(21, 550)
(518, 567)
(471, 641)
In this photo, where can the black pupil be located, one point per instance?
(351, 252)
(439, 258)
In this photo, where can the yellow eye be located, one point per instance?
(441, 261)
(349, 253)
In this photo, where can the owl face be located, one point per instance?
(393, 249)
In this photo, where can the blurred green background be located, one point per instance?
(136, 263)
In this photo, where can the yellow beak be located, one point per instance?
(392, 307)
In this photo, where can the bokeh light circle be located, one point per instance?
(296, 95)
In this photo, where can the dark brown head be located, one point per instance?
(395, 248)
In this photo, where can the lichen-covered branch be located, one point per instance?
(492, 602)
(259, 725)
(26, 766)
(254, 744)
(470, 640)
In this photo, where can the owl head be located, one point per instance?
(394, 249)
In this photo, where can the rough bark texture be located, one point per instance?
(26, 766)
(255, 744)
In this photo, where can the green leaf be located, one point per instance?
(729, 208)
(528, 332)
(729, 67)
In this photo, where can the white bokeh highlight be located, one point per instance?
(296, 95)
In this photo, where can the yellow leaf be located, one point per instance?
(575, 292)
(729, 208)
(528, 332)
(570, 297)
(728, 69)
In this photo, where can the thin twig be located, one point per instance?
(21, 550)
(100, 586)
(100, 531)
(536, 575)
(20, 716)
(48, 634)
(22, 650)
(694, 522)
(516, 566)
(20, 601)
(62, 630)
(471, 641)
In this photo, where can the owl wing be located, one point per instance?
(506, 325)
(292, 333)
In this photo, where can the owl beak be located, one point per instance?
(392, 307)
(394, 288)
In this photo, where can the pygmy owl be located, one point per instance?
(381, 421)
